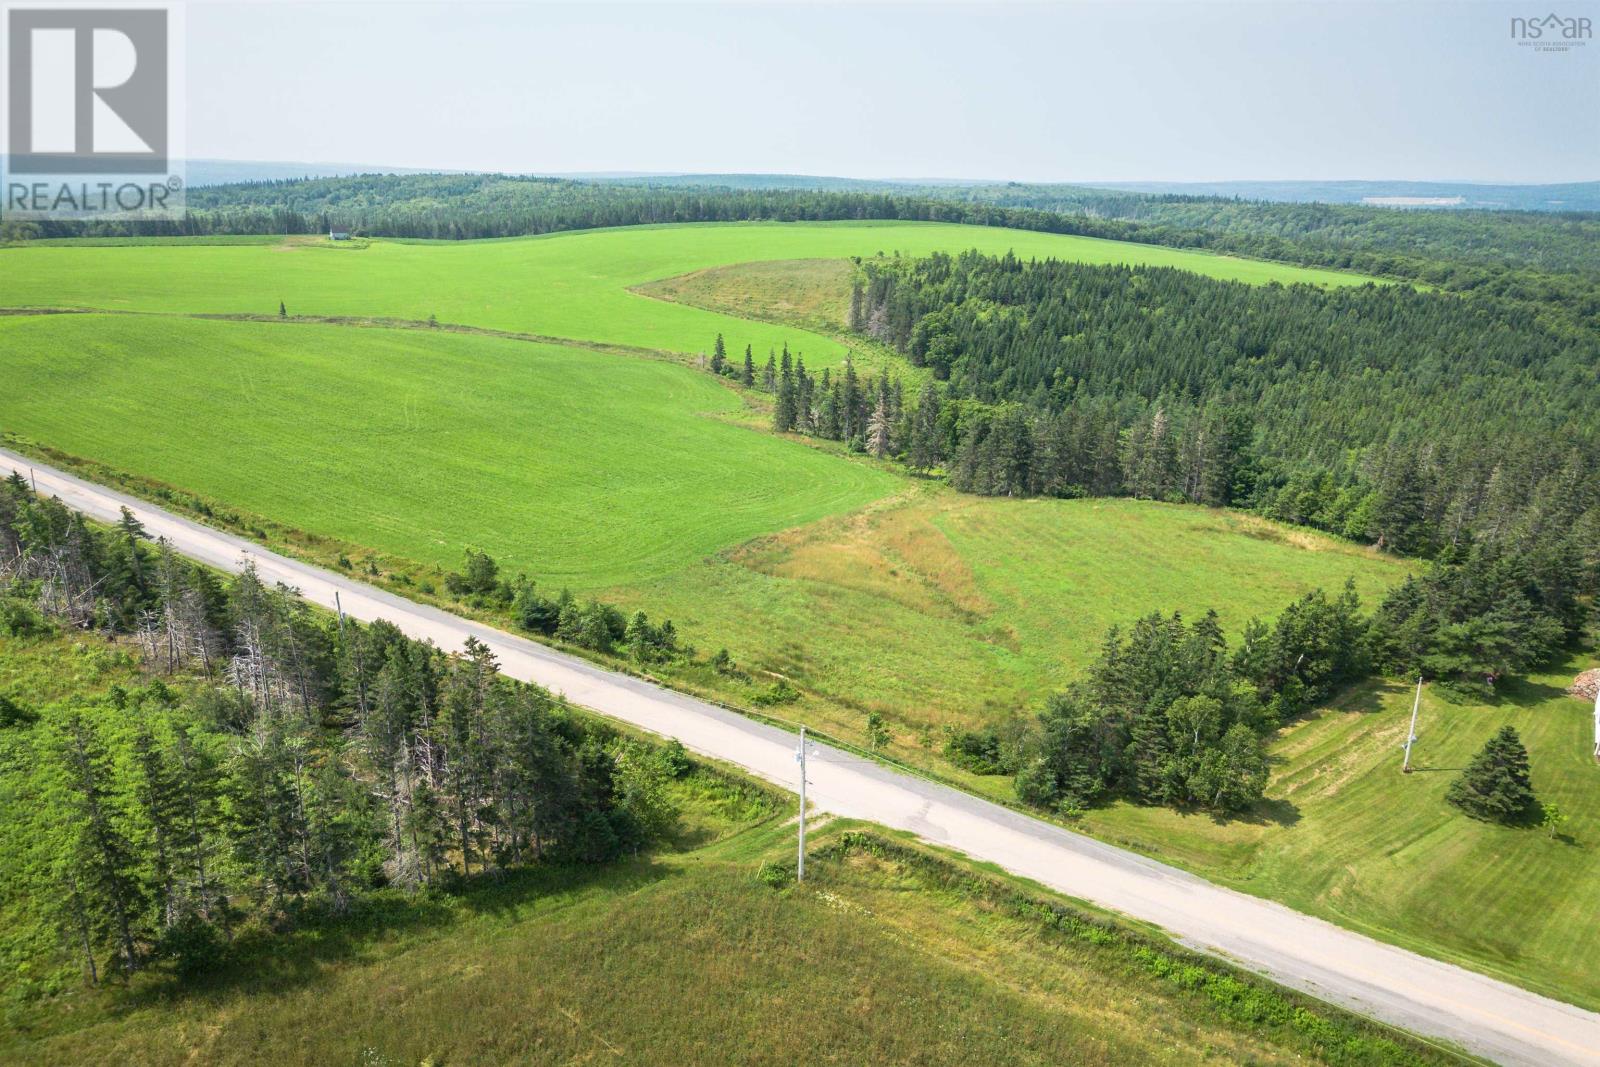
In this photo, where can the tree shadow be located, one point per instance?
(1269, 811)
(1274, 811)
(262, 960)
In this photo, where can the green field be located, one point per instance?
(576, 467)
(570, 464)
(1345, 835)
(571, 285)
(935, 608)
(643, 480)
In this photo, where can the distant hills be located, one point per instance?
(1571, 196)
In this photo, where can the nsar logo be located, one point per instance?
(1552, 33)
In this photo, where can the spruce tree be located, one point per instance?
(923, 452)
(100, 863)
(1495, 785)
(719, 356)
(747, 376)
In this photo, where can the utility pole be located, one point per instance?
(800, 757)
(340, 609)
(34, 478)
(1411, 734)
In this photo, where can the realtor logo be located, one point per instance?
(88, 92)
(91, 95)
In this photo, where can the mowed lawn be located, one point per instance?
(583, 469)
(1347, 836)
(570, 285)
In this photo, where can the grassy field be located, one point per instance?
(812, 293)
(681, 958)
(572, 285)
(1345, 835)
(573, 465)
(934, 608)
(872, 591)
(576, 467)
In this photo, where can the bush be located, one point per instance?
(18, 618)
(779, 692)
(14, 714)
(193, 945)
(979, 751)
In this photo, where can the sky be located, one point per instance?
(1107, 91)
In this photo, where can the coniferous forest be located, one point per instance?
(1416, 421)
(282, 764)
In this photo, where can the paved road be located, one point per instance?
(1491, 1018)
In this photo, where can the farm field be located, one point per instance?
(575, 467)
(1345, 835)
(569, 285)
(570, 464)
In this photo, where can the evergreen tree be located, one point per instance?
(719, 356)
(747, 375)
(1399, 521)
(1496, 785)
(99, 863)
(923, 452)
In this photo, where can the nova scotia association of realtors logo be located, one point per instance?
(92, 123)
(1552, 32)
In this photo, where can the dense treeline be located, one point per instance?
(1169, 714)
(1415, 421)
(1342, 235)
(1546, 257)
(291, 762)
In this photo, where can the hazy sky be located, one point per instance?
(1098, 91)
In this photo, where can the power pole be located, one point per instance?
(1411, 734)
(34, 478)
(340, 609)
(800, 757)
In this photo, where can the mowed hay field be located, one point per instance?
(570, 285)
(581, 468)
(1345, 835)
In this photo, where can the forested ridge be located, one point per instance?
(280, 764)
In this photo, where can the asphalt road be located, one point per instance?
(1490, 1018)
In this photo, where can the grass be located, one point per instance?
(1346, 836)
(639, 478)
(935, 608)
(811, 293)
(688, 958)
(574, 465)
(570, 285)
(703, 951)
(888, 954)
